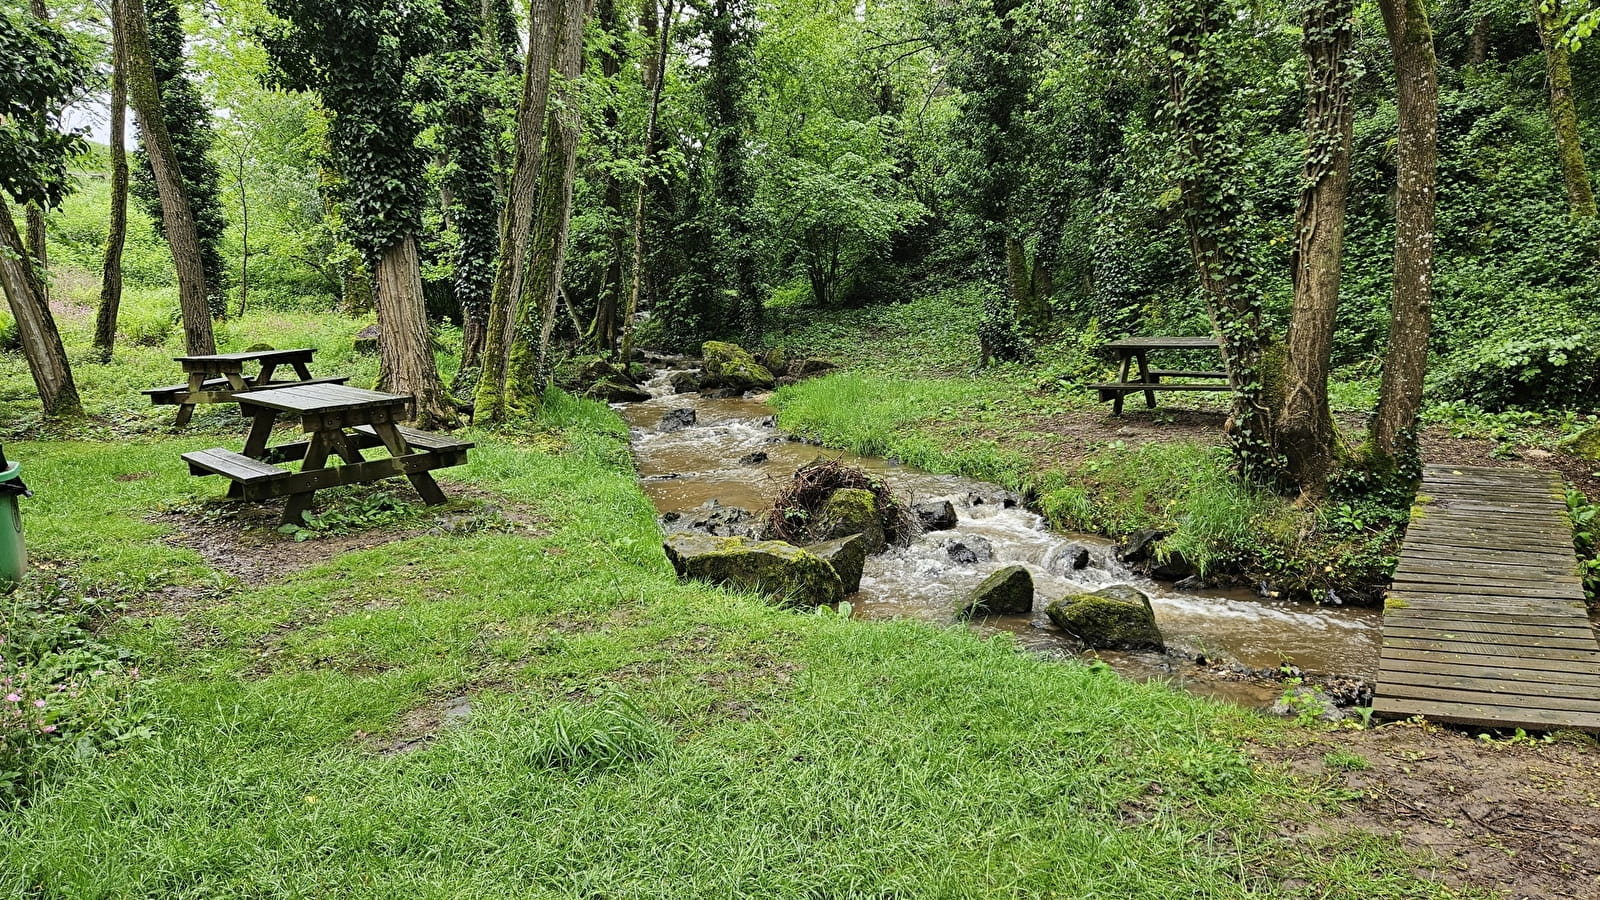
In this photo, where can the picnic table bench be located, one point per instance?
(341, 422)
(1137, 350)
(217, 377)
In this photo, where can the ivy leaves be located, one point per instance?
(41, 72)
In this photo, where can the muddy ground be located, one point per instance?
(1516, 815)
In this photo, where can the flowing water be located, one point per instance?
(733, 455)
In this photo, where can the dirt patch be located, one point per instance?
(242, 539)
(420, 726)
(1517, 816)
(1442, 448)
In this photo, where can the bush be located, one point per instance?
(1536, 360)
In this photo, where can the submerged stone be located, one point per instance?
(1118, 617)
(1007, 592)
(684, 382)
(969, 550)
(847, 555)
(677, 419)
(935, 515)
(777, 570)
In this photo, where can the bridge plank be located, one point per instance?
(1486, 623)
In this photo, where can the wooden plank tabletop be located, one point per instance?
(1165, 343)
(1485, 623)
(320, 398)
(302, 354)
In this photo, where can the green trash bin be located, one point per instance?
(13, 556)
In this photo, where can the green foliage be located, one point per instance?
(358, 58)
(189, 122)
(46, 72)
(1537, 360)
(1586, 538)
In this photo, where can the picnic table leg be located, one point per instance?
(1122, 378)
(264, 379)
(422, 481)
(301, 369)
(1144, 378)
(294, 509)
(197, 383)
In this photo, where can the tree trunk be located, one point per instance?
(36, 327)
(655, 70)
(37, 239)
(1478, 41)
(405, 345)
(531, 354)
(1212, 213)
(1563, 112)
(176, 212)
(244, 238)
(1305, 431)
(516, 223)
(105, 318)
(1400, 399)
(605, 330)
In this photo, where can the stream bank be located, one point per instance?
(710, 463)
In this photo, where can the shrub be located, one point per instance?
(1542, 359)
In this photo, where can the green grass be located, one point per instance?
(628, 735)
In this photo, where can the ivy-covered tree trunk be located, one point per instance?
(1563, 111)
(1305, 431)
(1392, 432)
(36, 327)
(727, 83)
(605, 329)
(38, 238)
(105, 317)
(177, 216)
(192, 135)
(530, 358)
(1213, 211)
(516, 222)
(654, 75)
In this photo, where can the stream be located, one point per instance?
(733, 455)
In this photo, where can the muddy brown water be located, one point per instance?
(685, 468)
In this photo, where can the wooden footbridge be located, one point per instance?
(1485, 623)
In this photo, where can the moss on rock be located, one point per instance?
(1585, 444)
(777, 570)
(853, 511)
(731, 367)
(847, 555)
(1113, 618)
(1006, 592)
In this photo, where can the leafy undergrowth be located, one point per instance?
(626, 734)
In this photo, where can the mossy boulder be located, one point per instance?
(615, 390)
(1585, 444)
(684, 382)
(1006, 592)
(806, 368)
(847, 555)
(1113, 618)
(775, 360)
(731, 367)
(777, 570)
(852, 511)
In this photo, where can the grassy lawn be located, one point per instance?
(535, 706)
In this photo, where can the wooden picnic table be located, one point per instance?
(1137, 350)
(341, 422)
(217, 377)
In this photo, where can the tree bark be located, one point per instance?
(176, 211)
(1563, 111)
(244, 235)
(37, 239)
(1305, 431)
(1400, 399)
(531, 353)
(36, 327)
(516, 223)
(1478, 41)
(655, 71)
(605, 329)
(1212, 210)
(105, 318)
(405, 345)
